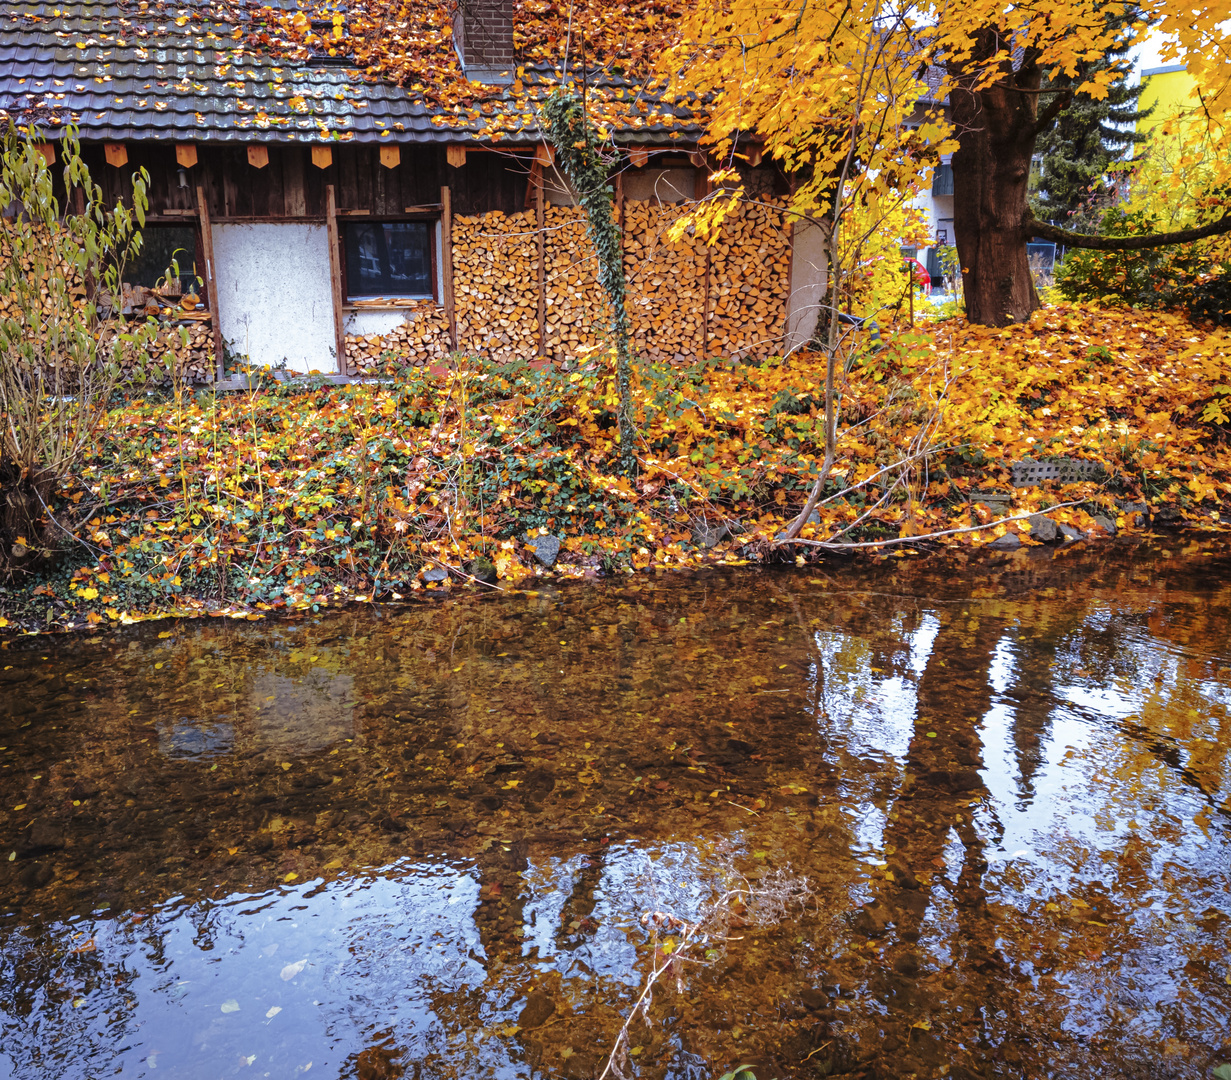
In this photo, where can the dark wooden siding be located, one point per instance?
(290, 187)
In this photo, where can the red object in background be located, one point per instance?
(922, 278)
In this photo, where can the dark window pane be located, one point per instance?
(159, 245)
(390, 258)
(942, 179)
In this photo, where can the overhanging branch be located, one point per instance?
(1031, 226)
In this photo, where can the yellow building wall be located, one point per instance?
(1171, 90)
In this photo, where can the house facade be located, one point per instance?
(334, 221)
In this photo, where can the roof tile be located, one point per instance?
(97, 64)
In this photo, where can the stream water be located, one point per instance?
(419, 841)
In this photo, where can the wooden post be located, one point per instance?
(703, 181)
(335, 274)
(211, 280)
(540, 219)
(619, 200)
(446, 244)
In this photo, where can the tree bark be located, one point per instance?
(996, 130)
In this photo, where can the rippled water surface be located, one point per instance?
(419, 841)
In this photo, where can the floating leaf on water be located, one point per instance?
(230, 1006)
(291, 970)
(273, 1011)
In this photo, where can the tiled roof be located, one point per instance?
(182, 72)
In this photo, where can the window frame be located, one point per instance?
(433, 229)
(187, 224)
(161, 221)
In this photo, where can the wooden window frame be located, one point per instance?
(433, 220)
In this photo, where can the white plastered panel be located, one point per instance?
(274, 294)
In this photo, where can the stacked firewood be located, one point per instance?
(192, 364)
(168, 356)
(666, 285)
(495, 284)
(578, 314)
(750, 270)
(422, 340)
(8, 308)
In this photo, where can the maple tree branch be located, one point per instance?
(1032, 226)
(1054, 108)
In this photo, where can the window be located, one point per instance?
(388, 258)
(942, 179)
(160, 244)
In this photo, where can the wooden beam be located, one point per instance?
(322, 157)
(536, 182)
(446, 254)
(540, 214)
(211, 281)
(425, 208)
(390, 156)
(258, 156)
(638, 158)
(335, 273)
(48, 151)
(186, 154)
(116, 154)
(456, 156)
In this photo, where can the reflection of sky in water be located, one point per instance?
(297, 979)
(1090, 756)
(288, 979)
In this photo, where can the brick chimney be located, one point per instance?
(483, 37)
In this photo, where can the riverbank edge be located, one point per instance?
(988, 558)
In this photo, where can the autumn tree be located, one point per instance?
(776, 68)
(61, 354)
(831, 92)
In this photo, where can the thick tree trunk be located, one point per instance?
(996, 130)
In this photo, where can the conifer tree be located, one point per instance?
(1073, 188)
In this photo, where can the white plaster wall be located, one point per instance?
(808, 276)
(274, 296)
(375, 321)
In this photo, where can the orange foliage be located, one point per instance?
(301, 497)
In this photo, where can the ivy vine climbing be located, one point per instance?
(580, 155)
